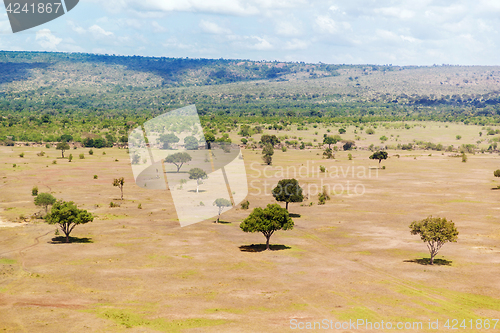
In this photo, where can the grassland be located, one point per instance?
(136, 270)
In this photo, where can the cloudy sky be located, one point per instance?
(404, 32)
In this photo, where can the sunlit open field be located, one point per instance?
(137, 270)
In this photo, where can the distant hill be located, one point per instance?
(58, 83)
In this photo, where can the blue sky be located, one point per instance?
(421, 32)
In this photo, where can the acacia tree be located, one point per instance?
(68, 216)
(119, 182)
(269, 139)
(45, 199)
(288, 190)
(62, 146)
(198, 174)
(267, 221)
(435, 232)
(221, 203)
(331, 140)
(178, 159)
(379, 155)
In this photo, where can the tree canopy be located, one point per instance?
(190, 143)
(379, 155)
(331, 140)
(68, 216)
(267, 221)
(62, 146)
(44, 199)
(288, 190)
(435, 232)
(221, 203)
(119, 182)
(270, 139)
(197, 174)
(178, 159)
(167, 139)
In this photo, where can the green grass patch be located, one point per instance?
(357, 313)
(188, 273)
(110, 217)
(130, 319)
(5, 261)
(215, 310)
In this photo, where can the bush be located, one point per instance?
(14, 165)
(370, 131)
(95, 177)
(349, 156)
(21, 155)
(47, 146)
(458, 137)
(112, 204)
(34, 191)
(54, 162)
(70, 158)
(284, 149)
(139, 206)
(322, 168)
(464, 157)
(323, 196)
(245, 204)
(42, 153)
(91, 152)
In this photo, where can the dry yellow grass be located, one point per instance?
(349, 259)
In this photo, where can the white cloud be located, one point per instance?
(213, 28)
(158, 28)
(99, 32)
(47, 40)
(291, 27)
(400, 13)
(296, 44)
(326, 24)
(76, 28)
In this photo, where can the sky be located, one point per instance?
(405, 32)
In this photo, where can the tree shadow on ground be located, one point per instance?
(262, 247)
(194, 191)
(223, 222)
(176, 172)
(294, 215)
(495, 188)
(427, 261)
(62, 240)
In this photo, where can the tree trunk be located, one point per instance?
(62, 153)
(122, 192)
(286, 205)
(197, 188)
(267, 242)
(432, 258)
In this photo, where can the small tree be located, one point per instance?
(328, 153)
(379, 155)
(178, 159)
(119, 182)
(435, 232)
(70, 157)
(34, 191)
(288, 190)
(68, 216)
(221, 203)
(190, 143)
(44, 200)
(62, 146)
(167, 139)
(269, 139)
(496, 173)
(267, 221)
(198, 174)
(331, 140)
(464, 157)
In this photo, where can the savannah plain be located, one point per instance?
(137, 270)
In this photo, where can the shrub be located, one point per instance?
(47, 146)
(21, 155)
(349, 156)
(42, 153)
(70, 158)
(91, 152)
(464, 157)
(54, 162)
(370, 131)
(283, 149)
(34, 191)
(95, 177)
(112, 204)
(322, 168)
(458, 137)
(14, 165)
(245, 204)
(82, 156)
(139, 206)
